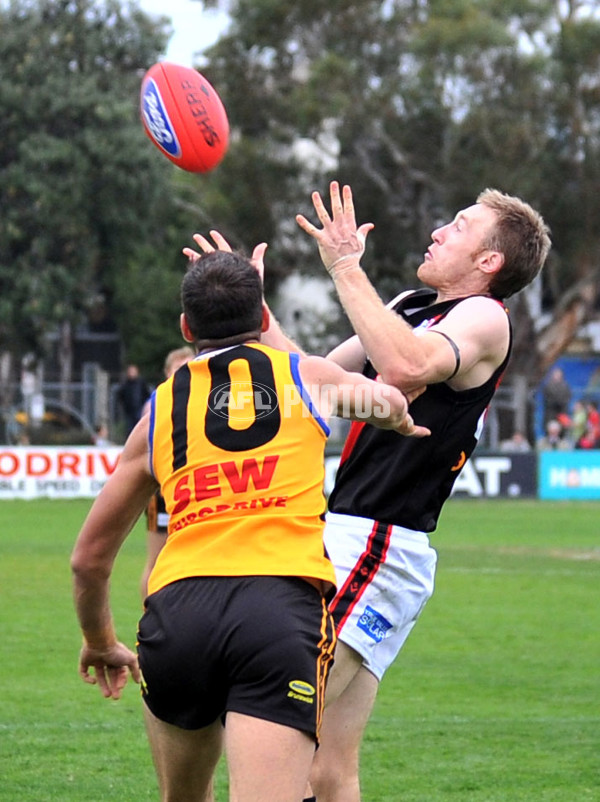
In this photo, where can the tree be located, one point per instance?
(419, 106)
(531, 125)
(85, 197)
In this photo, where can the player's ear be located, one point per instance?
(491, 261)
(266, 318)
(185, 329)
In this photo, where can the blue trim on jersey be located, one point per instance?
(152, 414)
(294, 363)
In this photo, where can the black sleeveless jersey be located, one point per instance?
(406, 480)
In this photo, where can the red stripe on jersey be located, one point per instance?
(362, 574)
(355, 429)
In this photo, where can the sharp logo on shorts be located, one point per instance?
(157, 120)
(374, 624)
(302, 691)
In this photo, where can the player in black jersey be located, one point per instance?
(447, 347)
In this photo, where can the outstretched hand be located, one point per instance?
(221, 244)
(341, 242)
(111, 667)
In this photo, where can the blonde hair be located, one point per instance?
(176, 358)
(523, 238)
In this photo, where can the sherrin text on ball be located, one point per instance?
(184, 117)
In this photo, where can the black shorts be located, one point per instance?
(257, 645)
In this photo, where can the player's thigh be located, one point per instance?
(267, 760)
(334, 773)
(347, 663)
(185, 760)
(345, 719)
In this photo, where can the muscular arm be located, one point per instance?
(351, 395)
(349, 355)
(402, 358)
(113, 514)
(410, 359)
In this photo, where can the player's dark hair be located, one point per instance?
(521, 235)
(221, 297)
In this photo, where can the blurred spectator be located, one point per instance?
(132, 394)
(579, 422)
(101, 436)
(517, 444)
(557, 395)
(593, 418)
(555, 439)
(593, 384)
(591, 436)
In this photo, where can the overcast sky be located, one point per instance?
(194, 28)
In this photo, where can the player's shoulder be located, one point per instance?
(319, 370)
(480, 307)
(481, 320)
(400, 297)
(310, 363)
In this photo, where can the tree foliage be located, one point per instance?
(87, 205)
(419, 106)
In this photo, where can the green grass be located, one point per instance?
(494, 698)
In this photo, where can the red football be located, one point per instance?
(184, 117)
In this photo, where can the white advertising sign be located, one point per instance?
(55, 471)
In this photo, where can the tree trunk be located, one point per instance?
(534, 352)
(6, 386)
(575, 309)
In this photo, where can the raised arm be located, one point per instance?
(349, 355)
(345, 394)
(404, 357)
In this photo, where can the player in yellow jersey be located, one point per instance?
(236, 629)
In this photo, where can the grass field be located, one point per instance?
(495, 697)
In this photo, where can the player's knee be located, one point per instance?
(330, 778)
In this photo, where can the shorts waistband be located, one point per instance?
(359, 523)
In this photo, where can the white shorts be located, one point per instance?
(385, 575)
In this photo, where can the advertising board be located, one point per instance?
(55, 472)
(569, 474)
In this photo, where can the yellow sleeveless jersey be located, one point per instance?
(238, 450)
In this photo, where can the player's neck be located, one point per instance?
(205, 346)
